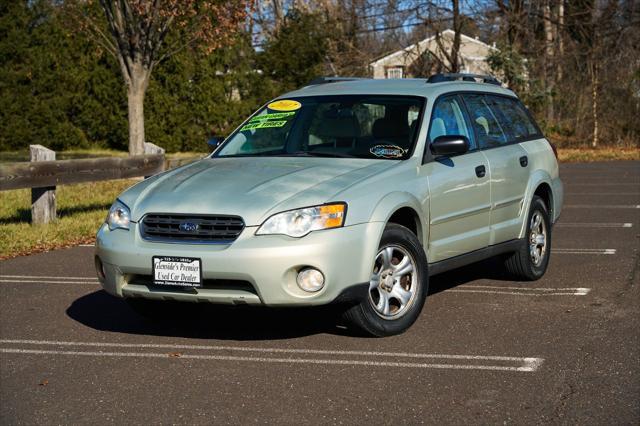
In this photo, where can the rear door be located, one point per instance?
(492, 117)
(459, 187)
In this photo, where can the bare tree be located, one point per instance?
(137, 37)
(457, 28)
(549, 73)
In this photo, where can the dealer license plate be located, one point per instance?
(177, 271)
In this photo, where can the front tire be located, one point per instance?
(397, 288)
(530, 262)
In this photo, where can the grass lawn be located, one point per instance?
(577, 155)
(81, 210)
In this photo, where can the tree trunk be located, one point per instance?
(548, 58)
(595, 57)
(594, 101)
(455, 47)
(278, 14)
(559, 35)
(135, 97)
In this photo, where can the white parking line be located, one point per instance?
(529, 365)
(522, 364)
(49, 282)
(601, 206)
(594, 225)
(580, 291)
(600, 184)
(47, 277)
(583, 251)
(602, 193)
(86, 245)
(520, 291)
(257, 349)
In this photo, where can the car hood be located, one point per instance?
(251, 187)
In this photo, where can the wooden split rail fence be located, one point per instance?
(43, 173)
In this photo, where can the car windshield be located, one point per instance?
(352, 126)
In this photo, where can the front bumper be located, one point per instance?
(255, 270)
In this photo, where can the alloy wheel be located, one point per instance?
(394, 282)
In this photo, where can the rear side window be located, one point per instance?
(513, 117)
(485, 122)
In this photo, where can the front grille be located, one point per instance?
(208, 284)
(212, 229)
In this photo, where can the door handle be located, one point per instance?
(481, 171)
(524, 161)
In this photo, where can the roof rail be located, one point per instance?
(439, 78)
(325, 80)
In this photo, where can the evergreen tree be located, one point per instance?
(297, 53)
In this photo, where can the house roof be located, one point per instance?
(421, 43)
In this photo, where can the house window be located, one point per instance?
(394, 72)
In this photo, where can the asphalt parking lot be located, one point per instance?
(564, 349)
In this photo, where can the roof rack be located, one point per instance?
(325, 80)
(439, 78)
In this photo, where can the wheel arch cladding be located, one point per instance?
(407, 217)
(539, 183)
(403, 209)
(544, 191)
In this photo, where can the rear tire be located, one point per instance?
(530, 261)
(398, 286)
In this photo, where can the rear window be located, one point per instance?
(514, 118)
(499, 120)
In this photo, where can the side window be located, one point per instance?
(517, 123)
(447, 118)
(485, 122)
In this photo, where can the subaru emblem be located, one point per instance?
(188, 227)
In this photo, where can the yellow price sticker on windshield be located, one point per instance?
(284, 105)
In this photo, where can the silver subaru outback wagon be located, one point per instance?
(346, 191)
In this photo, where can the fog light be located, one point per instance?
(310, 279)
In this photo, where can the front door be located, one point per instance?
(459, 203)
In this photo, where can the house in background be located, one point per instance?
(427, 57)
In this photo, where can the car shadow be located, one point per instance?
(103, 312)
(490, 269)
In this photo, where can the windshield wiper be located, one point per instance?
(322, 154)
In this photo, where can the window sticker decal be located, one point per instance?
(267, 124)
(272, 116)
(387, 151)
(284, 105)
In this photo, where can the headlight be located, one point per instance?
(119, 216)
(298, 223)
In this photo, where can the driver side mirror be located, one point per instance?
(449, 145)
(214, 142)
